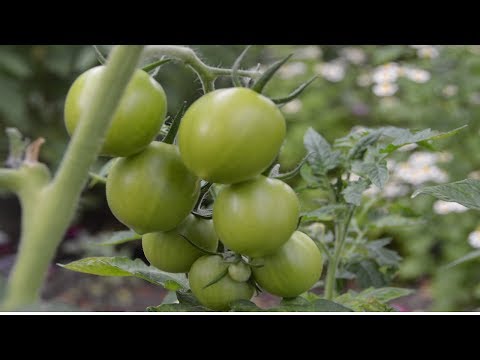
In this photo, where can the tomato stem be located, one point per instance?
(49, 206)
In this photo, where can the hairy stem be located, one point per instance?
(49, 208)
(207, 74)
(341, 230)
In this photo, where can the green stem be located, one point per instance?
(48, 209)
(9, 179)
(206, 74)
(341, 230)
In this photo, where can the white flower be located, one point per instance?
(308, 52)
(422, 158)
(293, 69)
(353, 177)
(385, 89)
(416, 174)
(474, 239)
(450, 90)
(444, 157)
(354, 55)
(364, 80)
(427, 52)
(358, 129)
(391, 164)
(386, 73)
(417, 75)
(316, 230)
(293, 106)
(333, 71)
(394, 189)
(444, 207)
(371, 191)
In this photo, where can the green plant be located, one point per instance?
(222, 279)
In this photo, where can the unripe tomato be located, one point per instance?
(217, 296)
(256, 217)
(137, 120)
(239, 271)
(168, 251)
(152, 191)
(230, 135)
(292, 269)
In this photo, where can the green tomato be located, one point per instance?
(169, 251)
(256, 217)
(219, 295)
(230, 135)
(292, 269)
(239, 271)
(152, 191)
(137, 120)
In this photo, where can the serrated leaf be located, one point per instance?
(322, 157)
(385, 294)
(120, 237)
(310, 178)
(469, 257)
(383, 256)
(325, 213)
(376, 172)
(123, 266)
(403, 137)
(465, 192)
(176, 308)
(395, 221)
(367, 274)
(353, 192)
(363, 143)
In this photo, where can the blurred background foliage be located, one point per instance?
(414, 86)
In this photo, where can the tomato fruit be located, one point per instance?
(230, 135)
(137, 120)
(169, 251)
(217, 296)
(292, 269)
(256, 217)
(152, 190)
(239, 271)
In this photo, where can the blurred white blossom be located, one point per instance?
(386, 73)
(354, 55)
(408, 147)
(416, 174)
(385, 89)
(427, 52)
(474, 239)
(422, 158)
(417, 75)
(293, 69)
(308, 52)
(293, 106)
(316, 230)
(394, 189)
(445, 207)
(474, 175)
(333, 71)
(450, 90)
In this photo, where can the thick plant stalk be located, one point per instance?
(48, 207)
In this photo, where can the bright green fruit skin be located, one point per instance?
(137, 120)
(239, 272)
(292, 269)
(231, 135)
(219, 295)
(169, 251)
(256, 217)
(152, 191)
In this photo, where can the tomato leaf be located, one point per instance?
(120, 237)
(376, 172)
(353, 192)
(382, 255)
(123, 266)
(324, 213)
(372, 299)
(395, 221)
(357, 150)
(367, 273)
(465, 192)
(322, 158)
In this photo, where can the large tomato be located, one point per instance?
(169, 251)
(256, 217)
(292, 269)
(137, 120)
(230, 135)
(153, 190)
(217, 296)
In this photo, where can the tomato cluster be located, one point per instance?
(228, 137)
